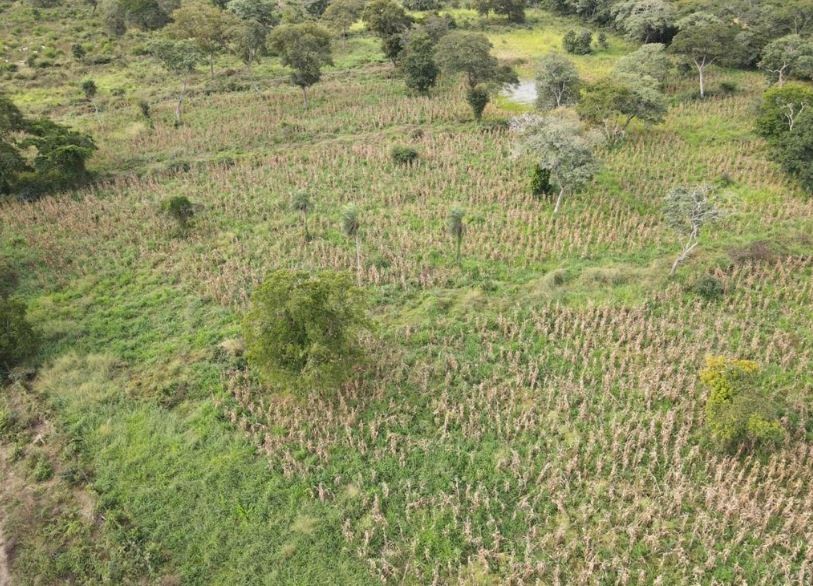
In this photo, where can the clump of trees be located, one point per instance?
(257, 17)
(341, 14)
(38, 156)
(649, 63)
(789, 57)
(418, 62)
(513, 10)
(467, 53)
(687, 209)
(578, 43)
(148, 15)
(305, 48)
(738, 409)
(562, 147)
(303, 330)
(207, 26)
(647, 21)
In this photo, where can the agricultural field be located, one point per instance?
(530, 415)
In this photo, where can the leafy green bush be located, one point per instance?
(403, 155)
(738, 410)
(708, 287)
(302, 331)
(578, 43)
(17, 338)
(477, 97)
(540, 181)
(180, 209)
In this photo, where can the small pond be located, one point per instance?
(522, 93)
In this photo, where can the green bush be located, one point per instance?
(477, 97)
(738, 410)
(540, 182)
(302, 331)
(180, 209)
(708, 287)
(578, 43)
(17, 338)
(403, 155)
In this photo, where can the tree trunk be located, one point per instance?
(700, 70)
(559, 200)
(683, 255)
(305, 96)
(459, 242)
(179, 105)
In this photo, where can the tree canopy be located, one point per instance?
(305, 48)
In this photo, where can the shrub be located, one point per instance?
(578, 43)
(78, 51)
(477, 97)
(540, 181)
(729, 87)
(421, 4)
(403, 155)
(180, 209)
(708, 287)
(302, 331)
(17, 338)
(603, 43)
(738, 410)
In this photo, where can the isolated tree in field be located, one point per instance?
(17, 338)
(305, 48)
(340, 15)
(786, 58)
(559, 145)
(301, 203)
(418, 62)
(649, 63)
(350, 226)
(470, 54)
(646, 21)
(210, 28)
(456, 229)
(612, 104)
(557, 82)
(781, 108)
(738, 408)
(178, 57)
(687, 209)
(705, 40)
(389, 21)
(303, 330)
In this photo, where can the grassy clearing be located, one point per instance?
(531, 416)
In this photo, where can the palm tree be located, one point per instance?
(302, 204)
(350, 225)
(456, 228)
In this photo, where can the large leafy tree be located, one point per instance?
(209, 27)
(178, 57)
(687, 209)
(341, 14)
(560, 146)
(467, 53)
(781, 108)
(258, 18)
(418, 62)
(647, 62)
(557, 82)
(788, 57)
(389, 21)
(647, 21)
(303, 330)
(305, 48)
(613, 103)
(704, 40)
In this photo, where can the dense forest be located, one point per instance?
(406, 292)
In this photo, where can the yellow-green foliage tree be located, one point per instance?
(738, 410)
